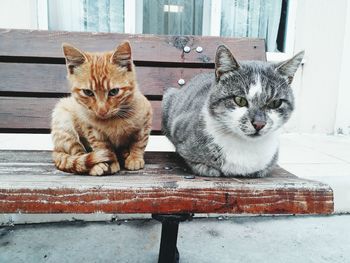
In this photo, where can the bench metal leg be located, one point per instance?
(168, 252)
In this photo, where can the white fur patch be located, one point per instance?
(255, 89)
(242, 155)
(276, 119)
(234, 118)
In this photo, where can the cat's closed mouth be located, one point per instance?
(257, 134)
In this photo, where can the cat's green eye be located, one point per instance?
(113, 92)
(240, 101)
(274, 104)
(88, 92)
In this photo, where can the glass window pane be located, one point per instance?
(252, 18)
(86, 15)
(172, 17)
(235, 18)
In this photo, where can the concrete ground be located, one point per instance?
(240, 239)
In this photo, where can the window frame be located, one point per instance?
(289, 37)
(211, 22)
(130, 20)
(42, 14)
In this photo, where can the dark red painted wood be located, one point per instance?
(34, 74)
(37, 187)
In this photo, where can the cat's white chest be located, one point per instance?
(243, 156)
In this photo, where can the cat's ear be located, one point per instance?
(289, 67)
(224, 61)
(74, 57)
(122, 56)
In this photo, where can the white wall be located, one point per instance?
(322, 84)
(18, 14)
(342, 121)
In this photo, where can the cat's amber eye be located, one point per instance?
(274, 104)
(113, 92)
(240, 101)
(88, 92)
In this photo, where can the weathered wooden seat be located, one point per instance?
(32, 78)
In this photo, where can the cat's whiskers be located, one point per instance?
(124, 111)
(221, 129)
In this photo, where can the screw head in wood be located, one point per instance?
(181, 82)
(187, 49)
(199, 49)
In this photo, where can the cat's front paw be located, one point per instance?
(204, 170)
(99, 169)
(134, 163)
(105, 168)
(114, 167)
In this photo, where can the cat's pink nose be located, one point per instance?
(258, 125)
(102, 112)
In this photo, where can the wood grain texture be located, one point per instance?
(29, 183)
(51, 78)
(35, 43)
(35, 113)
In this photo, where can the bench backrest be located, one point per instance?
(33, 74)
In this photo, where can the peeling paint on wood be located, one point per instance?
(47, 44)
(40, 188)
(29, 183)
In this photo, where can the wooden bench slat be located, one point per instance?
(33, 77)
(35, 43)
(28, 77)
(31, 184)
(35, 113)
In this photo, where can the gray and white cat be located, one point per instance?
(226, 124)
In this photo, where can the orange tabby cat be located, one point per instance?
(106, 114)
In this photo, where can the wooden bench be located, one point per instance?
(32, 78)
